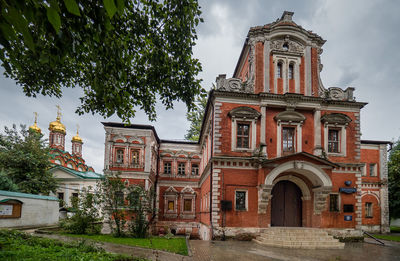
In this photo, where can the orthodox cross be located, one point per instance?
(36, 114)
(77, 128)
(58, 111)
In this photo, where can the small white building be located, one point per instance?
(71, 182)
(27, 210)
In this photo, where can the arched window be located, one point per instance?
(279, 70)
(291, 71)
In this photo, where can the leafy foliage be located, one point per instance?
(110, 192)
(24, 157)
(17, 245)
(141, 207)
(394, 180)
(195, 116)
(86, 215)
(6, 183)
(124, 54)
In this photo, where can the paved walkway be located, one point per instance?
(251, 251)
(238, 251)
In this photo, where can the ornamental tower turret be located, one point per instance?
(57, 132)
(77, 144)
(34, 127)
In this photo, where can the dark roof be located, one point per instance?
(132, 126)
(180, 142)
(306, 154)
(376, 142)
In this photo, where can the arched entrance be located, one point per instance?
(286, 205)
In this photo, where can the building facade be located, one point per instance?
(70, 169)
(276, 148)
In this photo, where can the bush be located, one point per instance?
(86, 217)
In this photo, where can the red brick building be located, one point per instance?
(276, 148)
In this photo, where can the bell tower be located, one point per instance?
(57, 132)
(77, 144)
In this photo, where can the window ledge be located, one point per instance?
(242, 150)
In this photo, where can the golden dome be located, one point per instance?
(76, 138)
(34, 127)
(56, 125)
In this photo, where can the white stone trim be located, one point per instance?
(252, 133)
(266, 66)
(307, 72)
(343, 138)
(300, 167)
(298, 136)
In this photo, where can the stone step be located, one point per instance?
(306, 238)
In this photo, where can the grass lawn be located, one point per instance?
(15, 245)
(388, 237)
(175, 245)
(395, 229)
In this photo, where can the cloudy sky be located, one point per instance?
(362, 51)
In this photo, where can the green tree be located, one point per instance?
(6, 183)
(86, 214)
(111, 194)
(394, 180)
(124, 54)
(195, 116)
(24, 156)
(141, 208)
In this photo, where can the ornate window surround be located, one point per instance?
(248, 115)
(188, 193)
(339, 122)
(171, 194)
(289, 118)
(286, 61)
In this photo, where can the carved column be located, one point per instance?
(317, 132)
(264, 196)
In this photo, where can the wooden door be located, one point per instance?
(286, 205)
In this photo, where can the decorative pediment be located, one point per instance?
(119, 137)
(232, 85)
(188, 190)
(337, 94)
(290, 116)
(171, 190)
(286, 45)
(244, 112)
(167, 153)
(336, 118)
(135, 139)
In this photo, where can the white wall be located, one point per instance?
(34, 212)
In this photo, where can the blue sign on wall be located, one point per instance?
(348, 190)
(348, 218)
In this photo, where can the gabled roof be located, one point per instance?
(78, 174)
(132, 126)
(305, 154)
(25, 195)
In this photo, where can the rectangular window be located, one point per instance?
(348, 208)
(334, 203)
(171, 205)
(187, 205)
(135, 157)
(240, 200)
(364, 170)
(279, 70)
(181, 169)
(120, 156)
(195, 169)
(372, 170)
(167, 168)
(368, 210)
(242, 135)
(288, 140)
(119, 197)
(333, 141)
(61, 199)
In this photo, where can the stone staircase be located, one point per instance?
(298, 237)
